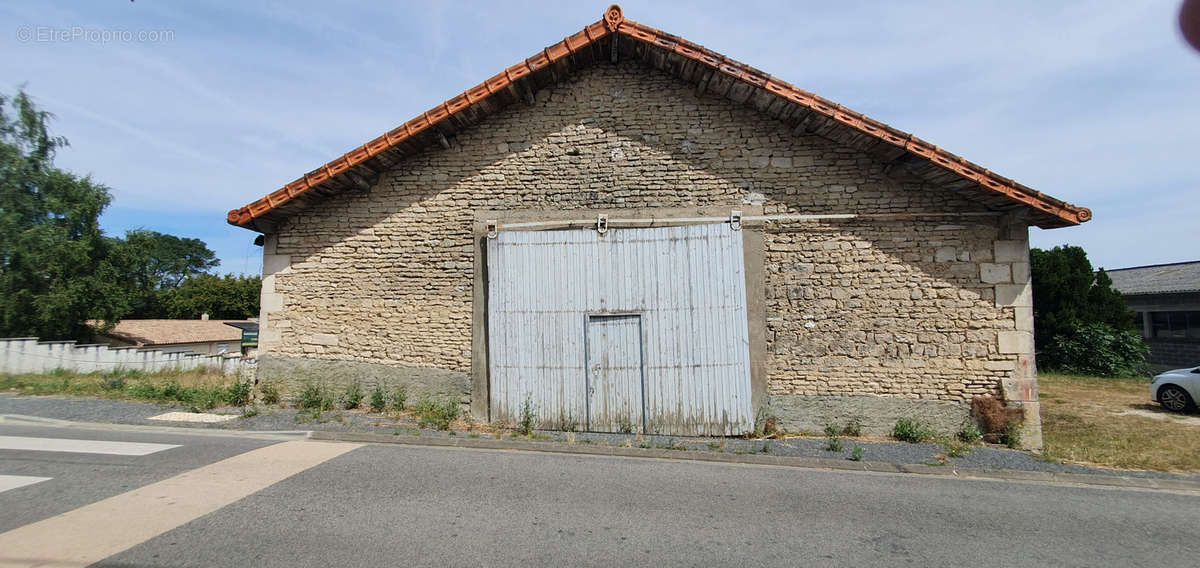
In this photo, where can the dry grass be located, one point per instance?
(198, 388)
(1081, 422)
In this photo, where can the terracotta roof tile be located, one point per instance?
(166, 331)
(868, 131)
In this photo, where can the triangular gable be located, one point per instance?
(613, 38)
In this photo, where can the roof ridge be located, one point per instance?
(1109, 270)
(613, 22)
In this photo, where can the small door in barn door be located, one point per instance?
(616, 401)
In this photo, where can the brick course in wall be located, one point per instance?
(910, 308)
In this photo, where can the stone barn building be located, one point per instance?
(634, 233)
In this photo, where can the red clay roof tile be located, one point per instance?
(614, 21)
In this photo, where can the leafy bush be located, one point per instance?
(832, 430)
(238, 394)
(1011, 436)
(270, 393)
(912, 430)
(378, 399)
(436, 413)
(352, 398)
(313, 397)
(144, 390)
(833, 444)
(172, 391)
(1097, 349)
(856, 454)
(969, 433)
(204, 399)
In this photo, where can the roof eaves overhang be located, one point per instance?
(711, 71)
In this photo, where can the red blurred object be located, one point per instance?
(1189, 22)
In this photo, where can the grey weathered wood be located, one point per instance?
(700, 87)
(526, 91)
(360, 183)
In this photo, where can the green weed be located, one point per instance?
(269, 393)
(527, 416)
(400, 398)
(912, 430)
(378, 399)
(1011, 436)
(313, 397)
(352, 397)
(436, 413)
(238, 394)
(969, 433)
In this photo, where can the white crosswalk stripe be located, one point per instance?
(8, 482)
(81, 446)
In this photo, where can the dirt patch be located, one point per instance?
(1162, 415)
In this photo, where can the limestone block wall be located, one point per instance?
(912, 309)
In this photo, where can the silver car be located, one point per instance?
(1176, 390)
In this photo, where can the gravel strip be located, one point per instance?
(285, 419)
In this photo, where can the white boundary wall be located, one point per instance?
(28, 355)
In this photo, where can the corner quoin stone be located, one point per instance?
(991, 273)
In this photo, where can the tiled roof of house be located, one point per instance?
(615, 37)
(1157, 279)
(168, 331)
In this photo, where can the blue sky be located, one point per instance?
(1092, 102)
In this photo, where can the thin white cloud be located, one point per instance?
(1092, 102)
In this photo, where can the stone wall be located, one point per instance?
(912, 310)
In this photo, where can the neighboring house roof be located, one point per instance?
(244, 325)
(166, 331)
(612, 38)
(1157, 278)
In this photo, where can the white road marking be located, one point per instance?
(193, 417)
(94, 532)
(81, 446)
(14, 481)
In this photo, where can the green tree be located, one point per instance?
(228, 297)
(55, 271)
(1078, 315)
(153, 263)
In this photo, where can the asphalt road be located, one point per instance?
(416, 506)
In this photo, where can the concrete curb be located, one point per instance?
(1115, 481)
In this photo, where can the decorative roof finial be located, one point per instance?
(613, 17)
